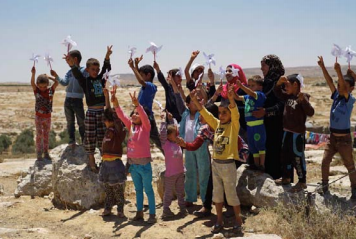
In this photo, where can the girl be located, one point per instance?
(139, 155)
(43, 108)
(112, 171)
(224, 156)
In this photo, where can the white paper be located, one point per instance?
(180, 72)
(199, 79)
(154, 48)
(349, 54)
(159, 104)
(337, 51)
(221, 72)
(34, 57)
(69, 43)
(48, 59)
(132, 51)
(235, 72)
(209, 59)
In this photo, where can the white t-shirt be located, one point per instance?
(189, 130)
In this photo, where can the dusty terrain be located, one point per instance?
(37, 218)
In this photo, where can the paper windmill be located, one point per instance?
(154, 49)
(34, 58)
(221, 72)
(106, 75)
(114, 80)
(209, 59)
(180, 72)
(235, 72)
(159, 104)
(349, 54)
(199, 79)
(48, 59)
(336, 51)
(69, 43)
(132, 51)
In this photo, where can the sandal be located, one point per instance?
(217, 228)
(106, 212)
(237, 229)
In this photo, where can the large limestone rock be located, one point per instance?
(37, 181)
(74, 185)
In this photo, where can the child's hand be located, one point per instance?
(131, 64)
(169, 116)
(321, 61)
(108, 52)
(282, 80)
(138, 60)
(351, 73)
(53, 73)
(220, 88)
(163, 115)
(114, 100)
(181, 142)
(193, 95)
(231, 92)
(156, 66)
(33, 70)
(210, 74)
(106, 92)
(337, 67)
(238, 83)
(194, 54)
(301, 96)
(134, 99)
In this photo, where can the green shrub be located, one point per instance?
(5, 141)
(24, 143)
(52, 139)
(65, 137)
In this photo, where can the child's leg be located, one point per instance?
(203, 162)
(298, 157)
(39, 136)
(237, 212)
(78, 109)
(252, 146)
(46, 130)
(329, 153)
(287, 155)
(261, 143)
(218, 191)
(119, 193)
(190, 184)
(179, 186)
(110, 197)
(90, 136)
(135, 171)
(168, 191)
(147, 184)
(100, 129)
(69, 114)
(344, 147)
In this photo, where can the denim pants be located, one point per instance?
(142, 178)
(73, 107)
(196, 163)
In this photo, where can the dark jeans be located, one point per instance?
(73, 107)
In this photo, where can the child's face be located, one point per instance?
(177, 79)
(93, 71)
(145, 77)
(172, 137)
(291, 88)
(135, 118)
(197, 72)
(42, 86)
(254, 86)
(228, 74)
(109, 124)
(224, 115)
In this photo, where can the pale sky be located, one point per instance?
(236, 31)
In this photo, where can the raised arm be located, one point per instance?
(137, 61)
(54, 79)
(327, 77)
(189, 64)
(160, 76)
(107, 98)
(247, 90)
(137, 74)
(33, 75)
(141, 112)
(307, 107)
(278, 88)
(120, 113)
(163, 128)
(341, 81)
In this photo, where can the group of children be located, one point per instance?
(191, 122)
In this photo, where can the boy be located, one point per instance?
(198, 160)
(93, 89)
(73, 104)
(340, 138)
(256, 132)
(296, 110)
(144, 76)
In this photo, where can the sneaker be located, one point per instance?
(183, 212)
(138, 217)
(353, 194)
(283, 181)
(323, 187)
(152, 219)
(167, 213)
(298, 187)
(203, 212)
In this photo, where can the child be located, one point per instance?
(144, 76)
(196, 162)
(340, 138)
(296, 109)
(73, 104)
(224, 156)
(93, 89)
(139, 155)
(112, 171)
(256, 133)
(195, 71)
(43, 108)
(174, 176)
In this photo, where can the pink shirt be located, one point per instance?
(138, 143)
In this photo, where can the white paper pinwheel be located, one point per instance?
(132, 51)
(159, 104)
(114, 80)
(337, 51)
(235, 72)
(221, 72)
(199, 79)
(349, 54)
(154, 49)
(48, 59)
(69, 43)
(180, 72)
(209, 59)
(34, 58)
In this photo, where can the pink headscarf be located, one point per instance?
(241, 77)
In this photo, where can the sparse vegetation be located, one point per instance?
(24, 143)
(5, 142)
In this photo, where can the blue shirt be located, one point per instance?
(74, 90)
(340, 113)
(147, 94)
(252, 104)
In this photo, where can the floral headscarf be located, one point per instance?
(241, 77)
(276, 68)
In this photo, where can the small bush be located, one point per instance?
(52, 139)
(5, 142)
(24, 143)
(65, 137)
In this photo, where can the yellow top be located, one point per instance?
(226, 135)
(107, 157)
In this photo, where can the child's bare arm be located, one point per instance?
(55, 84)
(193, 97)
(33, 75)
(247, 90)
(137, 74)
(107, 98)
(137, 61)
(341, 81)
(189, 64)
(327, 77)
(231, 97)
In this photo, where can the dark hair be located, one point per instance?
(257, 79)
(213, 109)
(173, 72)
(92, 62)
(293, 78)
(42, 79)
(77, 54)
(225, 103)
(349, 79)
(148, 112)
(108, 115)
(147, 69)
(188, 99)
(171, 129)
